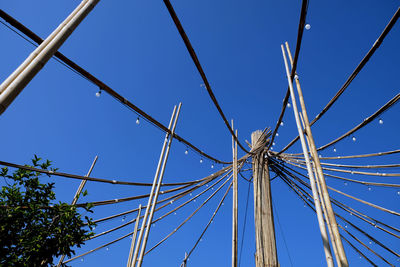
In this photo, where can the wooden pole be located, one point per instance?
(146, 214)
(234, 202)
(266, 254)
(76, 197)
(148, 224)
(130, 263)
(321, 198)
(313, 150)
(17, 81)
(318, 209)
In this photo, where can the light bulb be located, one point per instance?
(98, 94)
(380, 121)
(277, 134)
(190, 194)
(212, 166)
(308, 26)
(296, 77)
(354, 138)
(334, 149)
(289, 105)
(107, 248)
(201, 160)
(174, 213)
(82, 259)
(319, 156)
(352, 172)
(398, 193)
(282, 123)
(345, 226)
(273, 143)
(137, 120)
(345, 183)
(369, 188)
(123, 218)
(194, 200)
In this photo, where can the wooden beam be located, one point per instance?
(266, 254)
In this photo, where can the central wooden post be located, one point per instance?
(266, 255)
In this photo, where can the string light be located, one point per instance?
(369, 188)
(186, 151)
(282, 123)
(137, 120)
(201, 160)
(98, 93)
(277, 134)
(334, 149)
(273, 143)
(107, 248)
(123, 218)
(296, 77)
(380, 121)
(212, 166)
(288, 105)
(354, 138)
(345, 183)
(308, 26)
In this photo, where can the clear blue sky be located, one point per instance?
(134, 47)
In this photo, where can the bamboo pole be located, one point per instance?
(266, 254)
(322, 228)
(329, 226)
(17, 81)
(76, 197)
(234, 202)
(130, 263)
(313, 150)
(148, 224)
(146, 214)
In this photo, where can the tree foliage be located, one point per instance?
(33, 229)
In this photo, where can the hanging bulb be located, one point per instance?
(380, 121)
(212, 166)
(308, 26)
(190, 194)
(82, 259)
(194, 200)
(277, 134)
(98, 94)
(345, 226)
(282, 123)
(201, 160)
(107, 248)
(319, 156)
(354, 138)
(174, 213)
(345, 183)
(273, 143)
(352, 172)
(288, 105)
(137, 120)
(334, 149)
(296, 77)
(201, 239)
(370, 242)
(398, 193)
(369, 188)
(186, 151)
(223, 203)
(123, 218)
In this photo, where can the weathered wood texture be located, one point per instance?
(266, 255)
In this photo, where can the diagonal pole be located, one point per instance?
(321, 223)
(76, 197)
(149, 221)
(130, 264)
(17, 81)
(313, 150)
(146, 214)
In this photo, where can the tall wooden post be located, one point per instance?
(234, 202)
(266, 255)
(324, 190)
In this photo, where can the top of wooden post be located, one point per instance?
(258, 138)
